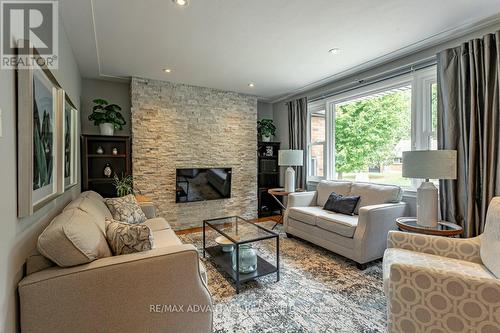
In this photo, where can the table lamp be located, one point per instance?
(289, 158)
(429, 164)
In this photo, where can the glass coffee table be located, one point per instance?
(240, 234)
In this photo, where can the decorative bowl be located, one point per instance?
(226, 244)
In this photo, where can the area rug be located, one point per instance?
(318, 291)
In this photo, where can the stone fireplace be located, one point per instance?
(178, 126)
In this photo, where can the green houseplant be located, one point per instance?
(107, 116)
(124, 186)
(266, 129)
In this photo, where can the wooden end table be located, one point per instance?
(444, 228)
(280, 192)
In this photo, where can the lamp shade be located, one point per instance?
(291, 157)
(430, 164)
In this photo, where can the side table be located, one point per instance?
(280, 192)
(443, 228)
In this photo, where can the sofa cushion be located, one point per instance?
(124, 238)
(37, 262)
(375, 194)
(73, 238)
(341, 204)
(92, 195)
(126, 209)
(305, 214)
(165, 237)
(97, 210)
(490, 239)
(157, 223)
(425, 260)
(344, 225)
(326, 187)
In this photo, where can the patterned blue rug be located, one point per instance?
(318, 291)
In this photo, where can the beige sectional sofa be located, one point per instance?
(161, 290)
(361, 237)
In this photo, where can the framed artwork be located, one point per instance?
(70, 144)
(39, 138)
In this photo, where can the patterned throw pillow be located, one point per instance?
(126, 209)
(126, 238)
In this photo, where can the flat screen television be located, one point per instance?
(198, 184)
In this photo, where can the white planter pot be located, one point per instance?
(266, 138)
(107, 129)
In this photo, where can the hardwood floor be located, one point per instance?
(200, 229)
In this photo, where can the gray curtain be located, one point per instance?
(468, 121)
(297, 133)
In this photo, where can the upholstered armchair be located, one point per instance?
(437, 284)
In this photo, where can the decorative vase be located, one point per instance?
(266, 138)
(248, 259)
(108, 171)
(100, 150)
(107, 129)
(115, 151)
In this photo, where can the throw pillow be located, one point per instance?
(73, 239)
(126, 209)
(126, 238)
(341, 204)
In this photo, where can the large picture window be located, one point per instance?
(361, 135)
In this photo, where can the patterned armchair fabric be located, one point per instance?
(435, 300)
(436, 284)
(455, 248)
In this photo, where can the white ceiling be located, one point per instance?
(280, 45)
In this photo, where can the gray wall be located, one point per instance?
(264, 110)
(18, 236)
(112, 91)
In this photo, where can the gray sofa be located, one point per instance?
(361, 237)
(127, 293)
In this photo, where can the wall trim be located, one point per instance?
(434, 40)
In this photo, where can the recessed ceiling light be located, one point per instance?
(180, 2)
(335, 50)
(167, 70)
(251, 85)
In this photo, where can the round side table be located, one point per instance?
(443, 228)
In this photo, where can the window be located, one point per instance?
(361, 135)
(316, 142)
(371, 132)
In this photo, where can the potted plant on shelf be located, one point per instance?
(107, 116)
(266, 129)
(124, 186)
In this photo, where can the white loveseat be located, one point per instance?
(361, 237)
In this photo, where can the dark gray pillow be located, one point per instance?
(341, 204)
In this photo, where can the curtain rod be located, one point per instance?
(422, 64)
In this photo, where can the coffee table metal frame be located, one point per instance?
(223, 260)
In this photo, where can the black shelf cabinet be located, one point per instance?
(268, 176)
(93, 164)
